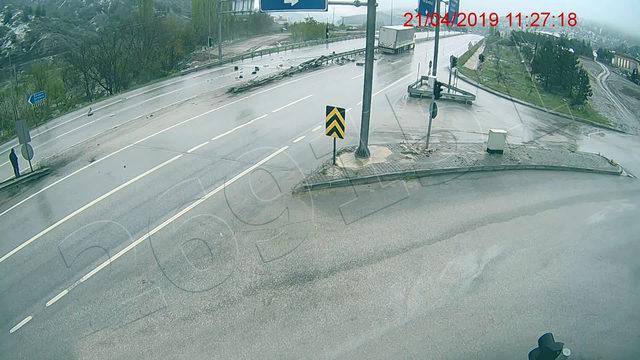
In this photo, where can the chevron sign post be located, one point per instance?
(335, 125)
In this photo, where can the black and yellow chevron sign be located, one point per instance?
(335, 122)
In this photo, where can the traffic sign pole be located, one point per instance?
(334, 151)
(363, 148)
(433, 102)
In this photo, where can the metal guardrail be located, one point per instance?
(269, 51)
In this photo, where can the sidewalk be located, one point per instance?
(406, 161)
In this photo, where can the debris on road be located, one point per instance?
(337, 58)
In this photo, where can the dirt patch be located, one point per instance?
(631, 92)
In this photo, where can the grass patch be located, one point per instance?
(504, 71)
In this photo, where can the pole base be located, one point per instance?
(362, 152)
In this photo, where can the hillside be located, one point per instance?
(34, 29)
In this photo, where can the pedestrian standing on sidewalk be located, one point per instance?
(14, 162)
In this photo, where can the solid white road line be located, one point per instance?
(298, 139)
(357, 76)
(20, 324)
(291, 103)
(167, 222)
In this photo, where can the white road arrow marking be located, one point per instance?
(292, 2)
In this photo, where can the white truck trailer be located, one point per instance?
(395, 39)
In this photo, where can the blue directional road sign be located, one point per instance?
(293, 5)
(454, 7)
(426, 7)
(37, 97)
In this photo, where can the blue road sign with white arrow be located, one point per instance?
(37, 97)
(293, 5)
(426, 7)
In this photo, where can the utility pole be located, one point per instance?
(209, 9)
(363, 148)
(219, 15)
(391, 20)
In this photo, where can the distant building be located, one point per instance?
(625, 62)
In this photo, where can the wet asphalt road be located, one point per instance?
(175, 235)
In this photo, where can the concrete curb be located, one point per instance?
(24, 178)
(413, 174)
(521, 102)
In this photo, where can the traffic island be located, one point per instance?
(24, 178)
(411, 160)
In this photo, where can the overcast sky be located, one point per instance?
(622, 14)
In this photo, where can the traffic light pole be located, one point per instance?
(436, 43)
(430, 121)
(363, 147)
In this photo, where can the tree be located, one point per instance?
(40, 11)
(604, 55)
(26, 12)
(310, 29)
(145, 9)
(8, 16)
(79, 73)
(112, 66)
(580, 89)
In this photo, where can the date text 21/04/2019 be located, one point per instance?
(492, 19)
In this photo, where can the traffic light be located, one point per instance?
(437, 90)
(549, 349)
(453, 61)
